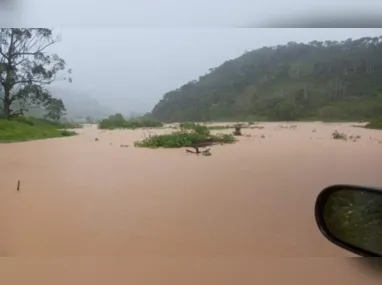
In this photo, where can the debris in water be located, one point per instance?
(18, 185)
(256, 127)
(354, 138)
(206, 152)
(96, 139)
(339, 136)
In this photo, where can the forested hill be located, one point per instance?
(320, 80)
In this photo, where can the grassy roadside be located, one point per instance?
(24, 129)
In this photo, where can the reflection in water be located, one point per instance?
(356, 218)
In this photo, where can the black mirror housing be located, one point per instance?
(350, 216)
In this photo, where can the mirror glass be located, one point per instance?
(354, 216)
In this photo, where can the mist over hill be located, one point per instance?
(328, 80)
(78, 105)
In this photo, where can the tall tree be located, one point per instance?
(55, 109)
(26, 68)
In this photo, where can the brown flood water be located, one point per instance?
(92, 212)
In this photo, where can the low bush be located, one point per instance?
(117, 121)
(197, 128)
(66, 133)
(375, 123)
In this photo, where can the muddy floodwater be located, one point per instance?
(93, 212)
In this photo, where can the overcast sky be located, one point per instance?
(178, 13)
(131, 69)
(128, 53)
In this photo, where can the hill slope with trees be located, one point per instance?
(319, 80)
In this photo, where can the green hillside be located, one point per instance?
(318, 80)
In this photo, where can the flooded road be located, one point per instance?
(91, 212)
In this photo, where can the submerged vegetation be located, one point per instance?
(375, 123)
(183, 139)
(339, 136)
(117, 121)
(25, 129)
(237, 131)
(190, 135)
(197, 128)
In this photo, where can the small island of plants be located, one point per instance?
(189, 135)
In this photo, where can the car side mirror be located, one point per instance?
(351, 217)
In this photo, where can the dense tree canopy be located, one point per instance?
(26, 68)
(320, 80)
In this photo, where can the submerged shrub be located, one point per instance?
(221, 127)
(237, 131)
(66, 133)
(206, 152)
(339, 136)
(197, 128)
(183, 138)
(375, 123)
